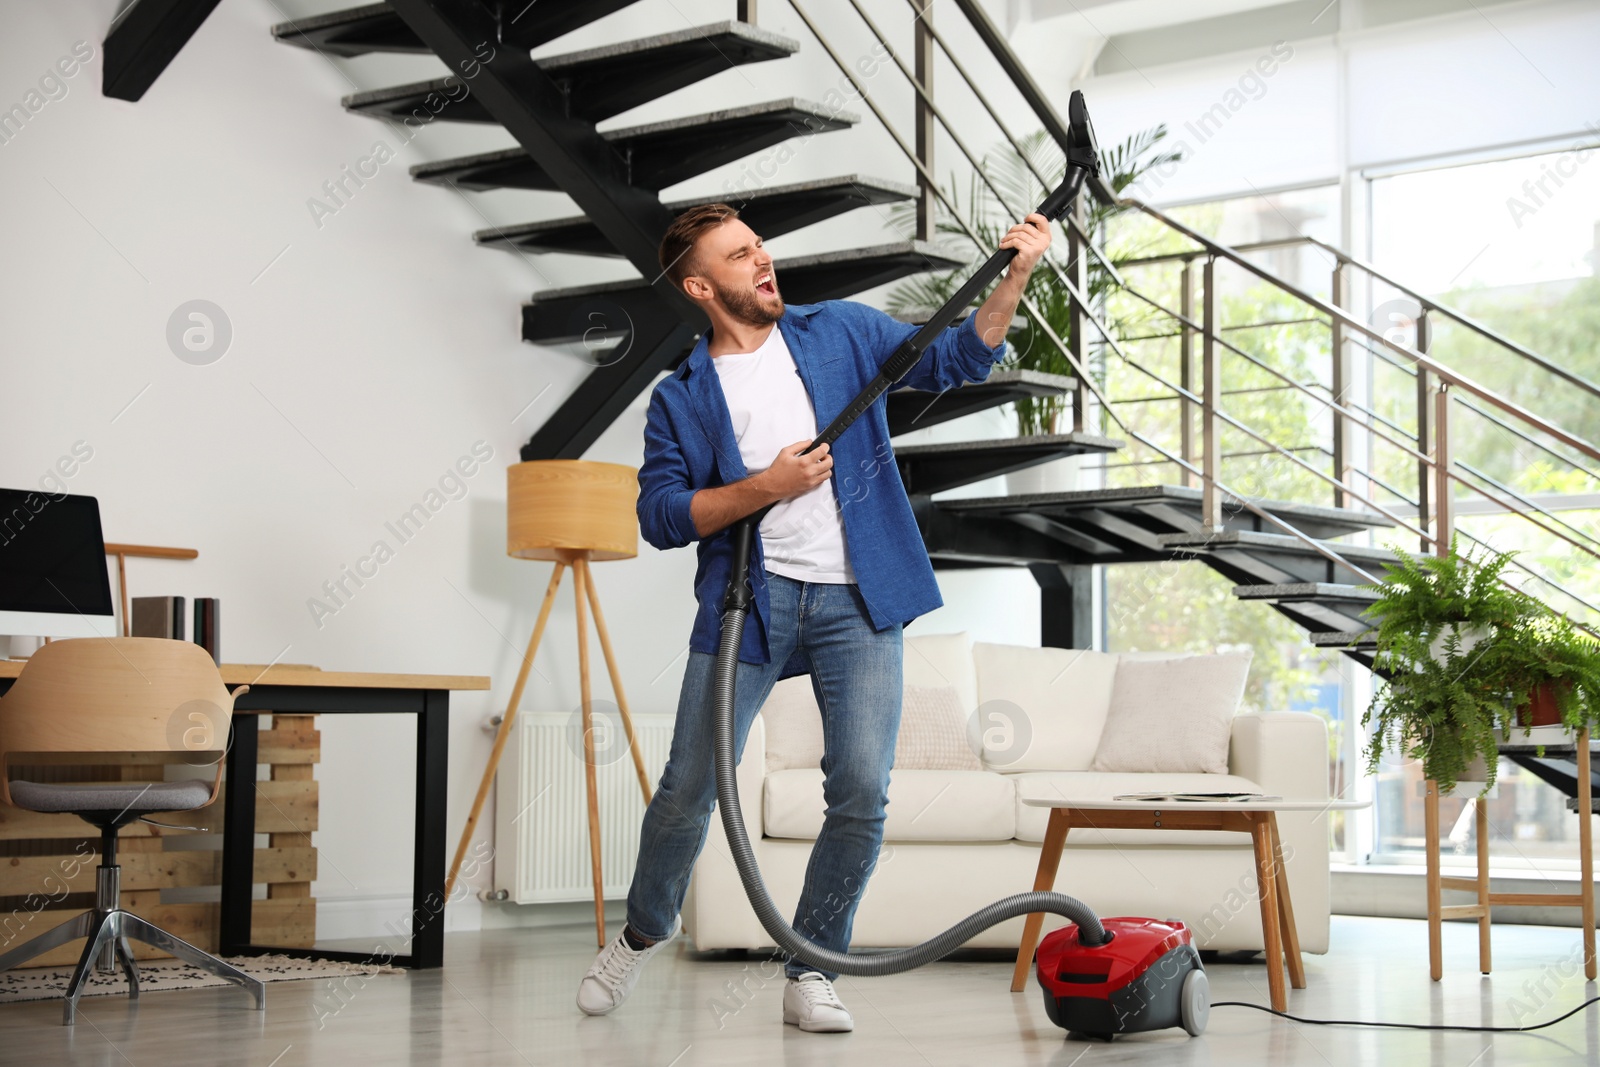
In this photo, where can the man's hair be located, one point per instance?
(677, 244)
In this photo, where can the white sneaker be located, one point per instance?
(613, 974)
(810, 1003)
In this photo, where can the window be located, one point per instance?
(1515, 244)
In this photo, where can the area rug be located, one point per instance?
(43, 983)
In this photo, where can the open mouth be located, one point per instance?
(766, 285)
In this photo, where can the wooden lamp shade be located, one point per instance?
(559, 509)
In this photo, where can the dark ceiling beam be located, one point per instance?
(524, 99)
(144, 39)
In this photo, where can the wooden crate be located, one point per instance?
(47, 862)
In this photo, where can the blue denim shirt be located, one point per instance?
(689, 445)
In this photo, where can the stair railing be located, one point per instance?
(1217, 493)
(1437, 384)
(1438, 387)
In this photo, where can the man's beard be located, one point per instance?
(746, 306)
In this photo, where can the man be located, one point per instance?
(839, 567)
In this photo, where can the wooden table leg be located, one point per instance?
(1266, 880)
(1291, 933)
(1431, 823)
(1586, 851)
(1055, 836)
(1480, 814)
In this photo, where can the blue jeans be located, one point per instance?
(855, 673)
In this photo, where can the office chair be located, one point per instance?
(118, 694)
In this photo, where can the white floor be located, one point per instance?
(505, 997)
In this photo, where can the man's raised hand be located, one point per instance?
(1030, 238)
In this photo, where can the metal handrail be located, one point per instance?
(1515, 562)
(1389, 359)
(1587, 545)
(1420, 359)
(1424, 303)
(1001, 51)
(1208, 247)
(1488, 416)
(979, 18)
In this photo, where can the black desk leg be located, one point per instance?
(427, 888)
(239, 836)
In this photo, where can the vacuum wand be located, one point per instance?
(899, 365)
(906, 356)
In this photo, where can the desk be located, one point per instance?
(294, 690)
(1257, 818)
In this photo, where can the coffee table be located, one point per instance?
(1258, 818)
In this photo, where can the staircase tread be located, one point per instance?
(937, 261)
(688, 35)
(1046, 383)
(567, 62)
(1000, 444)
(706, 118)
(892, 190)
(1255, 539)
(1305, 590)
(387, 32)
(822, 119)
(1364, 639)
(1146, 493)
(341, 17)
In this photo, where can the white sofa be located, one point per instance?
(957, 840)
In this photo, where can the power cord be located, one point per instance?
(1407, 1026)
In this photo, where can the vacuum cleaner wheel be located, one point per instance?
(1194, 1002)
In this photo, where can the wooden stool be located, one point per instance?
(1438, 911)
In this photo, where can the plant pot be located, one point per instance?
(1542, 709)
(1470, 638)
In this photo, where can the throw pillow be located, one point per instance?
(1172, 716)
(933, 732)
(794, 725)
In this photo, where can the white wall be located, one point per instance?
(367, 355)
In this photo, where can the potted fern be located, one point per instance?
(1463, 659)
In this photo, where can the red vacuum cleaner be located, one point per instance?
(1146, 976)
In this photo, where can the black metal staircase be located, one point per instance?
(550, 105)
(634, 329)
(1290, 556)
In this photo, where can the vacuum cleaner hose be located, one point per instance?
(791, 941)
(1082, 165)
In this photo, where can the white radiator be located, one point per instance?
(541, 808)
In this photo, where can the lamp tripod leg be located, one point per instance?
(616, 681)
(579, 576)
(504, 733)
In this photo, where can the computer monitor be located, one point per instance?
(53, 577)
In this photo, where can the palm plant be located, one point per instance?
(973, 225)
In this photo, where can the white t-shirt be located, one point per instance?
(802, 537)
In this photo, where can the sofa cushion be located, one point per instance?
(942, 659)
(1172, 715)
(933, 732)
(1041, 709)
(1101, 785)
(794, 725)
(923, 806)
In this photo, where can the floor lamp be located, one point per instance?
(572, 512)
